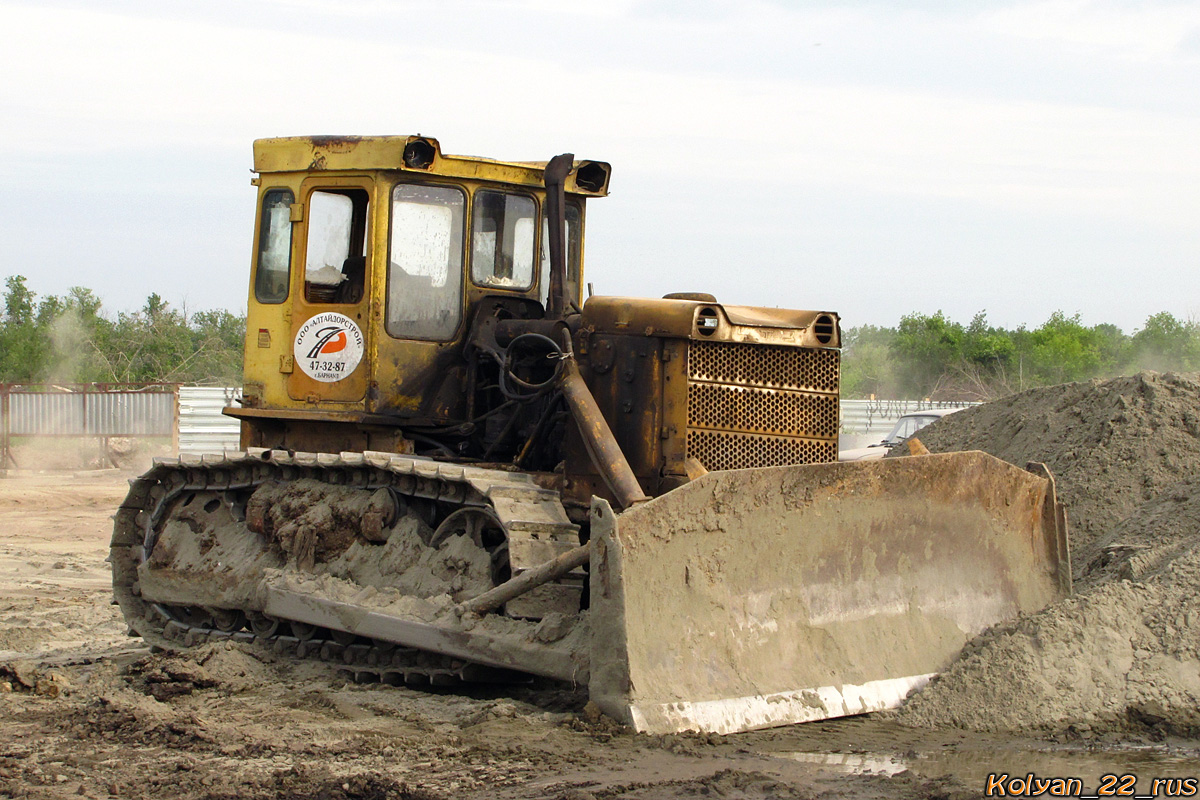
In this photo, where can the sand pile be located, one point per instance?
(1112, 445)
(1124, 653)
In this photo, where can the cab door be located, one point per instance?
(330, 310)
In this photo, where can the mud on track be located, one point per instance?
(92, 713)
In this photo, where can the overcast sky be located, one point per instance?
(871, 158)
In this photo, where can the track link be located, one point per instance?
(363, 660)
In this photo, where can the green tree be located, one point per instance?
(991, 349)
(927, 348)
(18, 301)
(151, 345)
(868, 367)
(1063, 350)
(1114, 347)
(1166, 343)
(24, 346)
(76, 334)
(69, 339)
(217, 338)
(933, 356)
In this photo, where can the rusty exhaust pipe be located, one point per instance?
(597, 435)
(557, 170)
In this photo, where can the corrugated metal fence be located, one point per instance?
(202, 426)
(191, 415)
(99, 411)
(90, 412)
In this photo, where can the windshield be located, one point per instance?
(907, 426)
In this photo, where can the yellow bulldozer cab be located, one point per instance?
(371, 253)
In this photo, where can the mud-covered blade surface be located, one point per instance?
(753, 598)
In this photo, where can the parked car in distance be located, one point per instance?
(905, 427)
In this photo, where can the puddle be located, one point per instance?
(852, 763)
(974, 767)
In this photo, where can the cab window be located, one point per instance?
(335, 254)
(425, 262)
(574, 253)
(502, 235)
(274, 247)
(908, 425)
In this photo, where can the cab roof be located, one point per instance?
(415, 154)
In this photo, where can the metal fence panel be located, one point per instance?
(129, 413)
(46, 413)
(91, 413)
(202, 426)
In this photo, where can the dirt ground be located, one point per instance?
(80, 714)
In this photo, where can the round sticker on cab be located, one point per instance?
(328, 347)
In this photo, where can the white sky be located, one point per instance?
(871, 158)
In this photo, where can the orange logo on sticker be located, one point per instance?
(329, 340)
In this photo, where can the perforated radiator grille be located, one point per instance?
(721, 450)
(761, 405)
(764, 365)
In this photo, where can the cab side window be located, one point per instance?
(502, 233)
(574, 253)
(274, 247)
(335, 254)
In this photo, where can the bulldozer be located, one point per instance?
(454, 467)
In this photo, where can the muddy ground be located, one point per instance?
(86, 711)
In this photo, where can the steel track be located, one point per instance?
(151, 496)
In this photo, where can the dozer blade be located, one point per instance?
(761, 597)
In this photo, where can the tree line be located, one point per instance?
(70, 339)
(930, 356)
